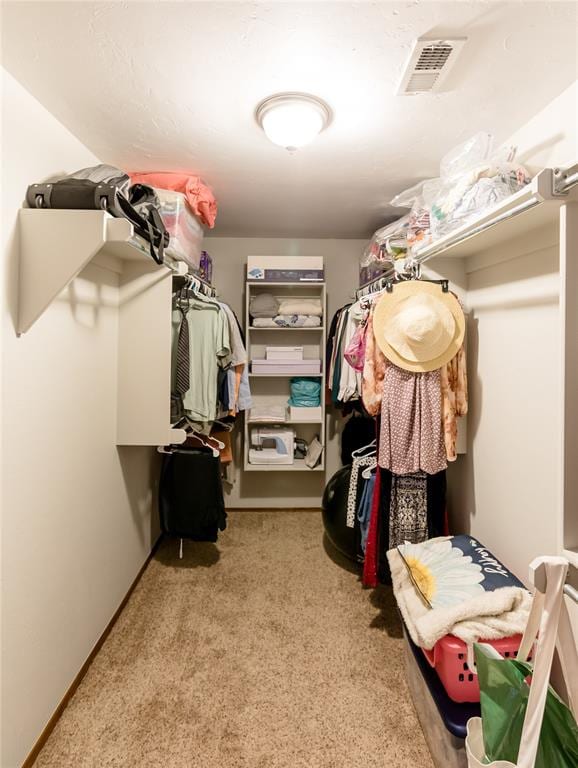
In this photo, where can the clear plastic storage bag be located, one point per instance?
(419, 199)
(473, 178)
(388, 244)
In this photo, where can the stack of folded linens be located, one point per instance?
(268, 311)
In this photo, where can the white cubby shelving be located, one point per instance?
(273, 388)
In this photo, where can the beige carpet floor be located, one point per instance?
(262, 651)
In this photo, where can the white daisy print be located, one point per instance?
(442, 573)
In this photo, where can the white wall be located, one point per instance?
(256, 489)
(506, 492)
(76, 511)
(550, 138)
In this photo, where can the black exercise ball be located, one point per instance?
(334, 505)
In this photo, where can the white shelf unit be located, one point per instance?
(274, 388)
(55, 245)
(319, 329)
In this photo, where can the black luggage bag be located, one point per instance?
(104, 187)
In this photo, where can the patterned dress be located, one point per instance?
(405, 393)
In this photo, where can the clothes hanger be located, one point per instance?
(361, 452)
(214, 445)
(225, 426)
(413, 272)
(367, 473)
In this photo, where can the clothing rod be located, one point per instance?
(565, 179)
(192, 279)
(360, 292)
(570, 181)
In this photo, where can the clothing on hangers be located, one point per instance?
(191, 502)
(212, 380)
(411, 433)
(209, 351)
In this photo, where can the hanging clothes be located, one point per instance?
(453, 386)
(191, 503)
(209, 370)
(209, 351)
(411, 435)
(408, 514)
(343, 380)
(237, 373)
(364, 509)
(403, 500)
(373, 371)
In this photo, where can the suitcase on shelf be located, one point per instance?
(106, 188)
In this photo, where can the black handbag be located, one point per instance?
(106, 188)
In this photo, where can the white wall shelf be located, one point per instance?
(297, 466)
(274, 388)
(284, 375)
(55, 246)
(532, 208)
(318, 328)
(282, 423)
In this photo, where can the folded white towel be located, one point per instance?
(300, 307)
(268, 413)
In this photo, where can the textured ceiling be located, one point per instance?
(174, 85)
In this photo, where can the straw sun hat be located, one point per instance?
(418, 326)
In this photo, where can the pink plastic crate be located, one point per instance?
(449, 658)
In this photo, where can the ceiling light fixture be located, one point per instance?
(292, 120)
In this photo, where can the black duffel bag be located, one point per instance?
(104, 187)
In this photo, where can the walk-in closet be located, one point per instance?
(289, 363)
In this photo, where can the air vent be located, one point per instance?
(429, 65)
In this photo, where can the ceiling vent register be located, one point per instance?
(429, 64)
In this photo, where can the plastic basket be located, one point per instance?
(449, 658)
(183, 227)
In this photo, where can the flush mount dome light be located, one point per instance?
(292, 120)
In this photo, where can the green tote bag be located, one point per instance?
(526, 724)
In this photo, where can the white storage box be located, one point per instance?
(299, 413)
(285, 269)
(183, 227)
(284, 353)
(287, 367)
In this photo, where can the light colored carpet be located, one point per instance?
(258, 652)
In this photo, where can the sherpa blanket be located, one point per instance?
(456, 586)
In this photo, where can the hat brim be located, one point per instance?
(386, 308)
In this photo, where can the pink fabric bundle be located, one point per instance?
(355, 352)
(199, 196)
